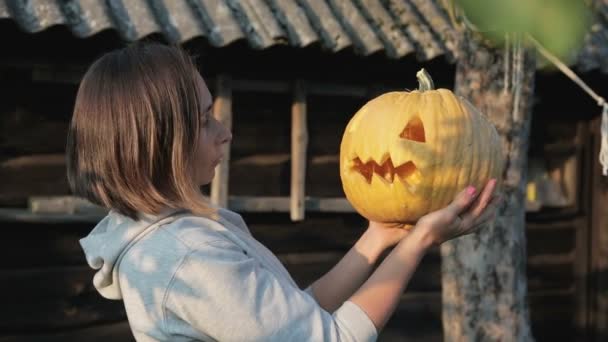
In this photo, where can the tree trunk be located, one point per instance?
(484, 275)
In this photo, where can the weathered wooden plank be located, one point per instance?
(115, 332)
(26, 215)
(268, 175)
(33, 175)
(27, 130)
(260, 204)
(237, 203)
(262, 160)
(299, 144)
(42, 244)
(64, 205)
(260, 86)
(24, 284)
(416, 318)
(552, 315)
(323, 177)
(313, 88)
(567, 224)
(550, 241)
(550, 277)
(283, 204)
(552, 259)
(63, 74)
(320, 232)
(35, 314)
(306, 268)
(260, 175)
(222, 110)
(328, 89)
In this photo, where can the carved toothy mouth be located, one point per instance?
(386, 170)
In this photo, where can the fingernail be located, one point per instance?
(471, 190)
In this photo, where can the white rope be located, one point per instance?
(600, 101)
(507, 63)
(517, 59)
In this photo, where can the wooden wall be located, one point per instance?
(48, 295)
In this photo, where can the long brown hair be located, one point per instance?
(132, 139)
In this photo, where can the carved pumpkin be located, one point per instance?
(405, 154)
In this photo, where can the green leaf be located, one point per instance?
(559, 25)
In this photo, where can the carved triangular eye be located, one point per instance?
(414, 130)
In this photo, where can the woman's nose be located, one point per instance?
(227, 136)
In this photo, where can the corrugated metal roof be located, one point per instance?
(396, 27)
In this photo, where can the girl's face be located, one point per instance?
(212, 136)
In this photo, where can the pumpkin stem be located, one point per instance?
(424, 80)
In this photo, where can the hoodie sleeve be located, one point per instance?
(223, 293)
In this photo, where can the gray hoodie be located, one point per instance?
(184, 277)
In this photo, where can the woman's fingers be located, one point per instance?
(487, 215)
(462, 201)
(490, 209)
(480, 204)
(484, 198)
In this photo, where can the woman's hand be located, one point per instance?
(388, 234)
(380, 294)
(451, 220)
(463, 216)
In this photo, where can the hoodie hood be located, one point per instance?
(110, 239)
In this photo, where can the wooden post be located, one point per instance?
(599, 242)
(299, 142)
(222, 111)
(582, 263)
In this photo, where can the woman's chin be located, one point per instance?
(208, 179)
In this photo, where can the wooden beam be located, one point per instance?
(63, 205)
(328, 89)
(551, 259)
(598, 297)
(261, 86)
(312, 88)
(64, 209)
(222, 110)
(299, 143)
(582, 261)
(96, 332)
(283, 204)
(58, 74)
(33, 175)
(26, 215)
(561, 224)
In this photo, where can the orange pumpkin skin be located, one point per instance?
(405, 154)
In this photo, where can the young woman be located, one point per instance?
(142, 141)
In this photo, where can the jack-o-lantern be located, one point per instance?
(405, 154)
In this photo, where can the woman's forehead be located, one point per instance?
(204, 90)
